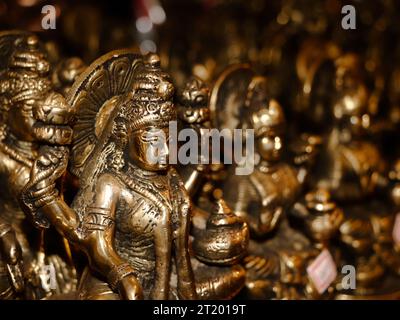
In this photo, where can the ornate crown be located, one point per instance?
(29, 56)
(27, 74)
(150, 102)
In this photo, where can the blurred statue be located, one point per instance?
(11, 272)
(66, 73)
(278, 254)
(220, 237)
(31, 113)
(352, 168)
(194, 113)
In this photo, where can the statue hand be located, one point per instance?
(49, 166)
(130, 289)
(53, 116)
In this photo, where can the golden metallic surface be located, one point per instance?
(85, 212)
(130, 216)
(31, 114)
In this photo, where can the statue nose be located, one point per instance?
(164, 150)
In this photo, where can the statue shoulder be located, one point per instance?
(110, 182)
(108, 178)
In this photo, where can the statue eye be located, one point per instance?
(199, 98)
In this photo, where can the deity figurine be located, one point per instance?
(31, 113)
(262, 199)
(132, 213)
(193, 113)
(278, 254)
(348, 152)
(352, 168)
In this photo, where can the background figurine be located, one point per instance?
(278, 254)
(220, 238)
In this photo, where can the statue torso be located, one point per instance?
(263, 196)
(138, 219)
(349, 169)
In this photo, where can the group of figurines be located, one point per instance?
(81, 201)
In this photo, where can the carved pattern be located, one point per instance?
(97, 219)
(109, 76)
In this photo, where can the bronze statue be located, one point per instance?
(92, 195)
(194, 113)
(31, 113)
(132, 214)
(220, 238)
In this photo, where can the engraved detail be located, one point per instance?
(96, 219)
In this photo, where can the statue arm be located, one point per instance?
(186, 282)
(95, 234)
(63, 218)
(39, 198)
(98, 229)
(98, 232)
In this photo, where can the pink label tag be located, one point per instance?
(322, 271)
(396, 229)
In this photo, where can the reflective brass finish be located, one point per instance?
(85, 211)
(31, 113)
(130, 216)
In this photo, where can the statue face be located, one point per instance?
(21, 120)
(148, 148)
(269, 146)
(350, 108)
